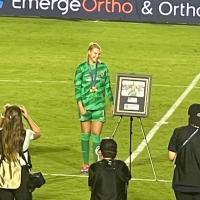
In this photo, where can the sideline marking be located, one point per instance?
(86, 176)
(164, 119)
(30, 81)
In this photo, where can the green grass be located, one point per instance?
(49, 50)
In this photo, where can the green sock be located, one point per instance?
(95, 141)
(85, 139)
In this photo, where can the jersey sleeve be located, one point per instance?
(126, 172)
(108, 89)
(123, 171)
(28, 138)
(172, 146)
(30, 134)
(78, 83)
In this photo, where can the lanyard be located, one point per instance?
(184, 143)
(93, 74)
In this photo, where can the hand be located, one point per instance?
(7, 106)
(98, 153)
(4, 109)
(83, 111)
(81, 108)
(24, 111)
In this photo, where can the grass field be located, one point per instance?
(37, 65)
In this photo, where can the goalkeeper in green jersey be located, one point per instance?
(92, 84)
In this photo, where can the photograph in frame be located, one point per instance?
(132, 95)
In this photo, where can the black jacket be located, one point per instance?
(187, 171)
(108, 180)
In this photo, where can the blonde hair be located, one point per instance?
(93, 45)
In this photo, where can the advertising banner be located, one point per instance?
(159, 11)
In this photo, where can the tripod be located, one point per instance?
(130, 144)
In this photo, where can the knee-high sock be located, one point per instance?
(85, 140)
(96, 139)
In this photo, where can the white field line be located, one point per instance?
(31, 81)
(164, 119)
(86, 176)
(65, 82)
(159, 122)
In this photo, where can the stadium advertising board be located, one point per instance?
(161, 11)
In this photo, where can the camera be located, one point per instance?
(36, 180)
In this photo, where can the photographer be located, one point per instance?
(108, 178)
(15, 140)
(184, 150)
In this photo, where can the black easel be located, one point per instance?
(130, 145)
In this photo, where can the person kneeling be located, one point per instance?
(108, 178)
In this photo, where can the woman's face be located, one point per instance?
(94, 55)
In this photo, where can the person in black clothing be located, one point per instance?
(184, 150)
(108, 178)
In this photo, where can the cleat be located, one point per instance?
(85, 169)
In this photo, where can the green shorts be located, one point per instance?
(93, 115)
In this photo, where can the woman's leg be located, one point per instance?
(85, 140)
(22, 193)
(6, 194)
(97, 127)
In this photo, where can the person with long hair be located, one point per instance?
(92, 84)
(15, 140)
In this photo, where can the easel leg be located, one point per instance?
(130, 147)
(118, 123)
(148, 149)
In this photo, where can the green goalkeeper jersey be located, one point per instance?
(86, 78)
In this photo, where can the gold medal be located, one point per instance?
(93, 89)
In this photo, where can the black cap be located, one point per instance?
(194, 110)
(108, 146)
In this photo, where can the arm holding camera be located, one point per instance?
(31, 123)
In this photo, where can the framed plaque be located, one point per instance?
(132, 95)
